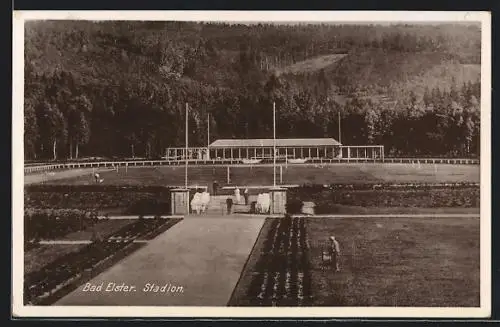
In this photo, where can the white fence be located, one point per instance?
(146, 163)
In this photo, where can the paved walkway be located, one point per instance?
(199, 260)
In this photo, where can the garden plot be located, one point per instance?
(418, 262)
(280, 275)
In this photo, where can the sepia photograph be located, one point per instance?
(245, 164)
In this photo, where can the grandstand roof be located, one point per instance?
(242, 143)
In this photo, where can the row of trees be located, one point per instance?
(120, 88)
(143, 122)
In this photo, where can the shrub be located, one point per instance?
(294, 206)
(112, 198)
(328, 200)
(149, 207)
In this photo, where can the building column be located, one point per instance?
(294, 153)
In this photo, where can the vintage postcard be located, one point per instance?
(251, 164)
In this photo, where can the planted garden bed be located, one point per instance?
(56, 275)
(280, 275)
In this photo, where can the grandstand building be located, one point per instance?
(286, 149)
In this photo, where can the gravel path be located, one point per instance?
(199, 261)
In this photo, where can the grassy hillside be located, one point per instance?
(312, 65)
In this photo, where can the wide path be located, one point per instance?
(205, 256)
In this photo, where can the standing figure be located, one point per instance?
(215, 186)
(245, 195)
(97, 177)
(335, 252)
(237, 197)
(229, 203)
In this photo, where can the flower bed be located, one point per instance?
(282, 271)
(142, 228)
(42, 283)
(66, 272)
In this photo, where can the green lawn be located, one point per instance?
(298, 174)
(397, 262)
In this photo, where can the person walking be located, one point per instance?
(335, 252)
(245, 195)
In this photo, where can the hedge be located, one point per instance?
(327, 200)
(53, 223)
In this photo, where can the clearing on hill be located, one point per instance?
(312, 64)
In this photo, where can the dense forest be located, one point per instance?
(120, 88)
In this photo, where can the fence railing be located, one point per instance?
(146, 163)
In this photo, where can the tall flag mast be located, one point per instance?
(340, 137)
(186, 151)
(208, 130)
(274, 144)
(208, 136)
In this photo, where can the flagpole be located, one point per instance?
(274, 144)
(208, 130)
(340, 137)
(208, 136)
(186, 150)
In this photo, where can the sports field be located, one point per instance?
(291, 174)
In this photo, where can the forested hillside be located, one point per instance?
(120, 88)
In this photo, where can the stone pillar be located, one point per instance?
(180, 201)
(278, 200)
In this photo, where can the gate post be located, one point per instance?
(278, 200)
(180, 201)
